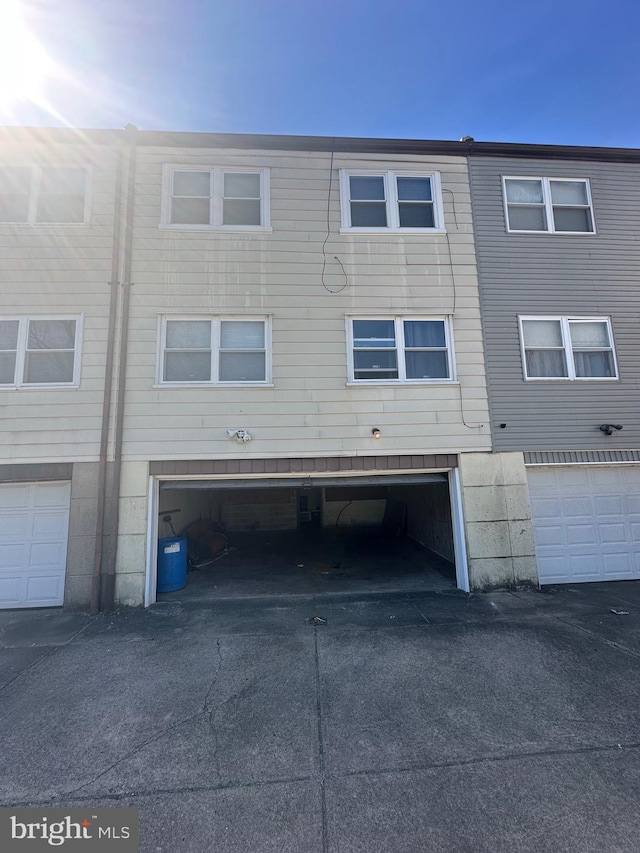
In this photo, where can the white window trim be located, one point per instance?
(21, 351)
(390, 187)
(215, 320)
(400, 349)
(568, 349)
(548, 206)
(35, 180)
(217, 173)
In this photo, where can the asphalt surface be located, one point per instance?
(399, 723)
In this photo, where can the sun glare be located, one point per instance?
(25, 66)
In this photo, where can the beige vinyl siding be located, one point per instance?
(568, 275)
(59, 269)
(310, 411)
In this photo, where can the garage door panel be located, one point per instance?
(613, 532)
(14, 525)
(585, 567)
(606, 479)
(546, 507)
(577, 508)
(34, 525)
(581, 534)
(14, 496)
(556, 567)
(49, 525)
(596, 529)
(618, 565)
(12, 556)
(550, 535)
(43, 590)
(10, 590)
(46, 555)
(50, 495)
(609, 505)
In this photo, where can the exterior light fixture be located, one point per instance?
(375, 432)
(608, 429)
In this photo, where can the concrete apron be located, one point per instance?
(421, 721)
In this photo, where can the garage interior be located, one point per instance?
(284, 537)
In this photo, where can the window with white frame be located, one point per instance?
(567, 348)
(39, 351)
(401, 349)
(390, 201)
(214, 350)
(235, 199)
(36, 195)
(549, 205)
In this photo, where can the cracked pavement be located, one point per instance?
(409, 722)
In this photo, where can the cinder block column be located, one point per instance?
(132, 534)
(82, 535)
(498, 528)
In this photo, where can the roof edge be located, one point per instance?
(346, 144)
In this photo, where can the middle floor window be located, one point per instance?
(567, 348)
(223, 199)
(390, 201)
(400, 349)
(214, 351)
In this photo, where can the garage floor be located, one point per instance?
(313, 561)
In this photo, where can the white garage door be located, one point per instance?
(34, 525)
(586, 523)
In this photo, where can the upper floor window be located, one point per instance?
(214, 350)
(550, 205)
(39, 351)
(235, 199)
(43, 195)
(567, 348)
(390, 201)
(400, 349)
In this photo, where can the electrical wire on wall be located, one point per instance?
(326, 239)
(455, 297)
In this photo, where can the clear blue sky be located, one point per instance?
(555, 71)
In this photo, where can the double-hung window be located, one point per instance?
(35, 195)
(233, 199)
(390, 201)
(38, 351)
(214, 351)
(567, 348)
(548, 205)
(399, 349)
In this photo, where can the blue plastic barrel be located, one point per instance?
(172, 563)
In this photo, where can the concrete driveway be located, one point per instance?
(407, 723)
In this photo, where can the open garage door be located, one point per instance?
(313, 535)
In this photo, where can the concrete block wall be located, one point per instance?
(429, 516)
(355, 513)
(82, 535)
(262, 516)
(132, 536)
(498, 527)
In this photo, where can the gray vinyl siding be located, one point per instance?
(576, 275)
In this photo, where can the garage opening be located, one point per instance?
(286, 537)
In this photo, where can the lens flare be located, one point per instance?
(25, 66)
